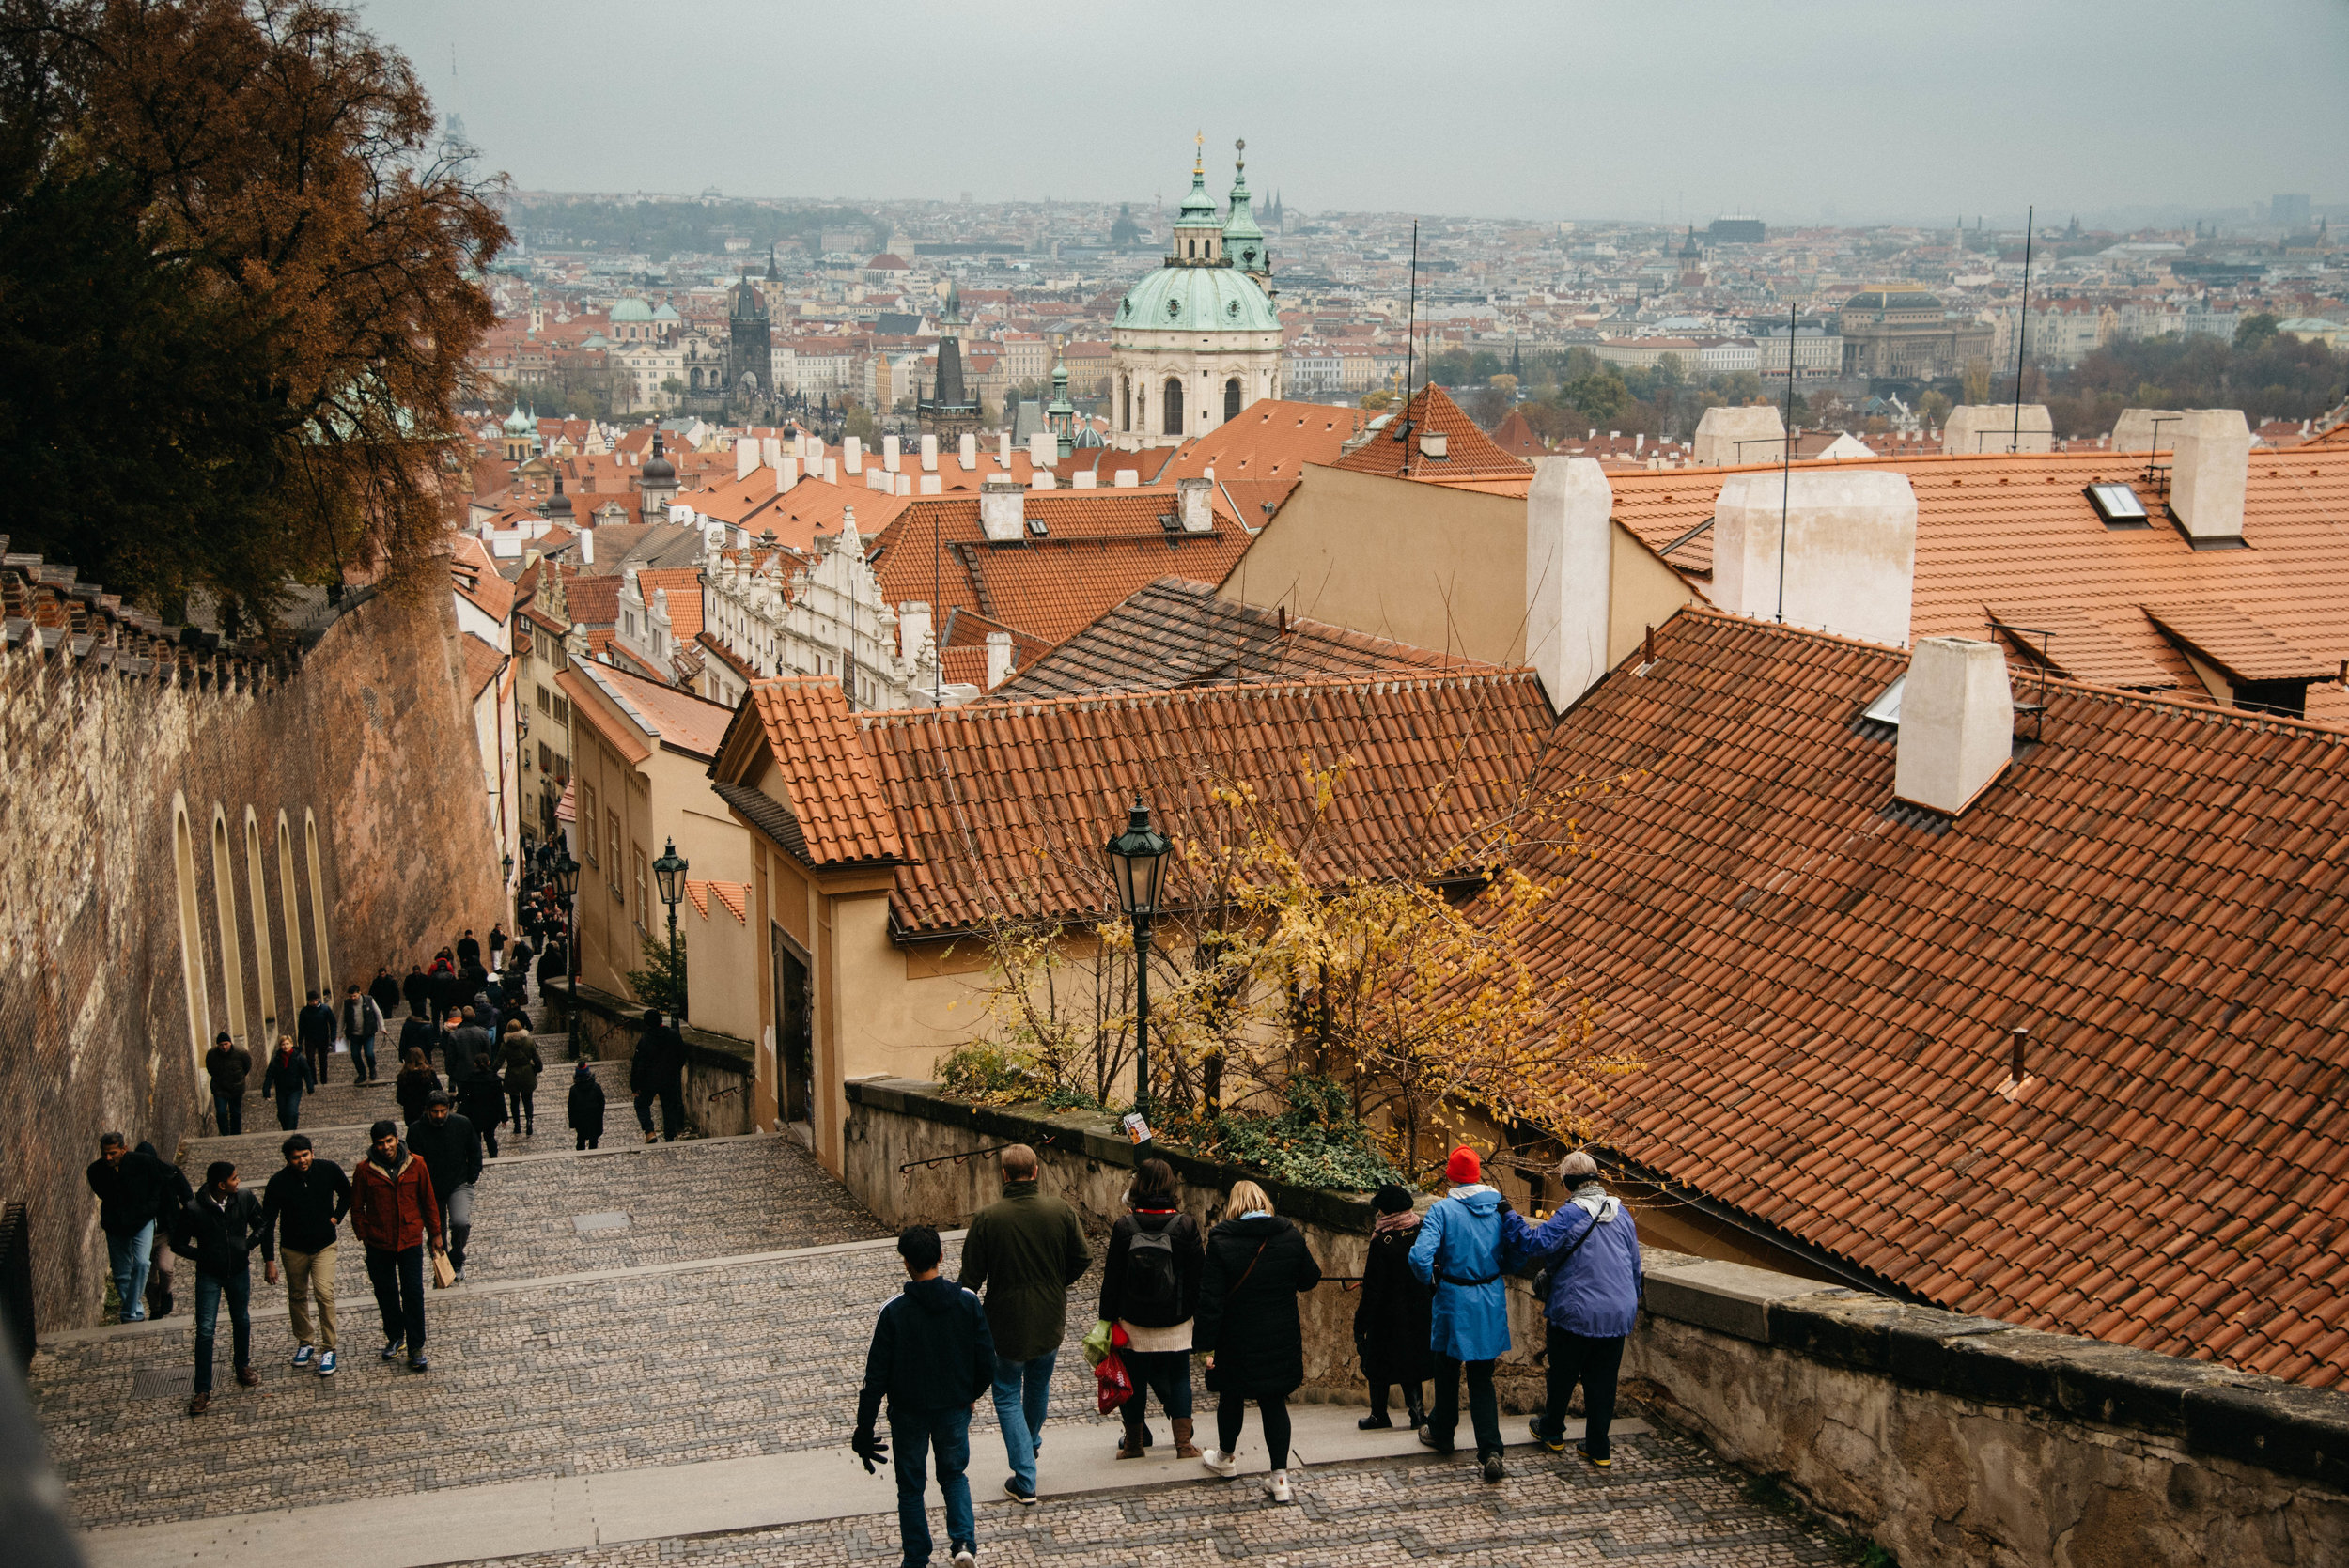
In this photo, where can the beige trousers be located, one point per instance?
(306, 1272)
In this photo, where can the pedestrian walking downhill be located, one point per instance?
(385, 993)
(930, 1359)
(314, 1030)
(464, 1045)
(1458, 1253)
(395, 1216)
(1258, 1266)
(285, 1078)
(450, 1148)
(1393, 1325)
(227, 1066)
(417, 991)
(585, 1107)
(130, 1186)
(415, 1086)
(658, 1070)
(1024, 1249)
(303, 1204)
(362, 1020)
(481, 1100)
(176, 1195)
(1590, 1251)
(522, 1067)
(218, 1231)
(1149, 1291)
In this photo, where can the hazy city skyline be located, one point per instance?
(1836, 111)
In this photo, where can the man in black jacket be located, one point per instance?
(176, 1195)
(931, 1358)
(219, 1229)
(129, 1186)
(417, 988)
(305, 1201)
(227, 1064)
(450, 1148)
(463, 1044)
(468, 949)
(314, 1029)
(385, 990)
(659, 1069)
(418, 1032)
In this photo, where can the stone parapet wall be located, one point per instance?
(720, 1070)
(1951, 1440)
(361, 727)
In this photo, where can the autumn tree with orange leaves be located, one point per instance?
(239, 279)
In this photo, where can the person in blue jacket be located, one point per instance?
(1591, 1250)
(1458, 1252)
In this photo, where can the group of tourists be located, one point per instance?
(1433, 1309)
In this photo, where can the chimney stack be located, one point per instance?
(1746, 435)
(1850, 545)
(913, 628)
(1043, 449)
(852, 454)
(929, 454)
(786, 474)
(745, 458)
(968, 451)
(587, 547)
(1956, 724)
(1003, 509)
(891, 454)
(1193, 505)
(998, 655)
(1569, 575)
(1003, 447)
(2209, 474)
(1973, 429)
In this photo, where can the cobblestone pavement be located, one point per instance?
(1666, 1502)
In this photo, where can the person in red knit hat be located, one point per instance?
(1458, 1252)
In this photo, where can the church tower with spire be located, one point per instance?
(950, 411)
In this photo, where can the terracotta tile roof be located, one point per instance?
(1515, 435)
(1821, 991)
(800, 514)
(677, 718)
(731, 897)
(1004, 806)
(592, 602)
(2018, 533)
(834, 797)
(1469, 452)
(2079, 646)
(2237, 643)
(1100, 547)
(683, 586)
(1268, 439)
(1178, 633)
(482, 664)
(475, 576)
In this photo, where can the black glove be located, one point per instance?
(868, 1446)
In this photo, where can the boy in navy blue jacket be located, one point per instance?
(932, 1357)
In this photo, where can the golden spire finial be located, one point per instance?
(1199, 158)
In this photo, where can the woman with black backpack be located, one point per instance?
(1258, 1266)
(1149, 1288)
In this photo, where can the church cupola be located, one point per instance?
(1198, 234)
(657, 482)
(1060, 415)
(1243, 241)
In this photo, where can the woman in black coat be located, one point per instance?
(1258, 1265)
(1392, 1331)
(413, 1086)
(586, 1105)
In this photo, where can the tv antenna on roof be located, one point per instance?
(2022, 332)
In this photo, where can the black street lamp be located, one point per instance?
(566, 872)
(669, 872)
(1137, 858)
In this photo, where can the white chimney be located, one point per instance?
(1748, 435)
(786, 474)
(832, 470)
(852, 454)
(770, 451)
(905, 484)
(1569, 575)
(877, 478)
(2209, 474)
(745, 458)
(968, 451)
(1851, 551)
(1043, 448)
(929, 454)
(1126, 479)
(1003, 447)
(1042, 478)
(2145, 431)
(1956, 724)
(586, 547)
(998, 657)
(933, 484)
(1084, 479)
(1434, 443)
(1973, 429)
(1003, 509)
(1194, 503)
(913, 628)
(892, 453)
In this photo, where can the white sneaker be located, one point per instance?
(1278, 1487)
(1221, 1463)
(966, 1557)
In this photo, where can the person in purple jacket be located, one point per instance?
(1591, 1250)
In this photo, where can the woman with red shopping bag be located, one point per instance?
(1149, 1290)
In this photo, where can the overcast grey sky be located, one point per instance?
(1670, 107)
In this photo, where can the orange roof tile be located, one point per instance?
(1469, 453)
(482, 664)
(683, 584)
(835, 802)
(677, 718)
(2237, 643)
(1004, 806)
(1266, 439)
(1821, 986)
(733, 897)
(475, 575)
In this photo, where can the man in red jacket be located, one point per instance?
(394, 1212)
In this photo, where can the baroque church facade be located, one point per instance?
(1198, 339)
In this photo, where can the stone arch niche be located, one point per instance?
(264, 960)
(317, 900)
(191, 933)
(1231, 397)
(289, 901)
(1172, 401)
(225, 929)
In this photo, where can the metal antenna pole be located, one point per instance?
(2022, 332)
(1786, 464)
(1410, 355)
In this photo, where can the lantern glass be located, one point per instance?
(565, 873)
(1137, 862)
(669, 870)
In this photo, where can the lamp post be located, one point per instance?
(1137, 859)
(566, 872)
(669, 872)
(505, 865)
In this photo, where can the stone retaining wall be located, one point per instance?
(720, 1070)
(1953, 1441)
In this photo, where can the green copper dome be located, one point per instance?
(1197, 299)
(1243, 241)
(1198, 207)
(631, 309)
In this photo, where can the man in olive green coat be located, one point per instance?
(1025, 1250)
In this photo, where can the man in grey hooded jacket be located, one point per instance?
(1591, 1250)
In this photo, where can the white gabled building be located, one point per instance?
(770, 609)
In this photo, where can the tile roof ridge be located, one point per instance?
(1507, 675)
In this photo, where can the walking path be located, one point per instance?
(598, 1394)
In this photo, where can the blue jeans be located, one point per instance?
(127, 1258)
(363, 1056)
(209, 1289)
(912, 1433)
(1021, 1389)
(227, 1114)
(288, 1110)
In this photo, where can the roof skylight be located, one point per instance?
(2118, 505)
(1886, 710)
